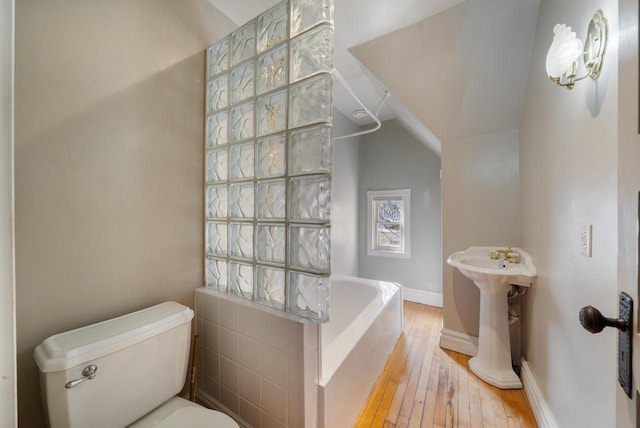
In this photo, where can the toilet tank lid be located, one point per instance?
(69, 349)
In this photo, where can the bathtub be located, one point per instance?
(366, 322)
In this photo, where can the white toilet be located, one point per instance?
(123, 372)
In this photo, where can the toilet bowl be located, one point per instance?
(178, 413)
(123, 372)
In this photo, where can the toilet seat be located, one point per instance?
(195, 417)
(180, 413)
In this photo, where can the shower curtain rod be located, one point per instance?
(337, 74)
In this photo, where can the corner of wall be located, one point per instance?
(480, 206)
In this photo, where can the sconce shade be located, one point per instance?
(564, 51)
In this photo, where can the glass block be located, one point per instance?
(241, 280)
(217, 239)
(217, 165)
(270, 241)
(309, 248)
(310, 150)
(243, 43)
(241, 161)
(310, 101)
(271, 112)
(241, 240)
(241, 201)
(218, 58)
(218, 94)
(272, 27)
(242, 82)
(217, 130)
(272, 70)
(308, 296)
(270, 286)
(308, 13)
(310, 199)
(271, 196)
(311, 53)
(271, 156)
(216, 274)
(241, 122)
(216, 202)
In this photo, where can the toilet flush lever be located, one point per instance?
(89, 372)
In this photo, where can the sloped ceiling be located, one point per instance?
(462, 72)
(357, 22)
(454, 68)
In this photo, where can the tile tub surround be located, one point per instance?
(259, 367)
(268, 166)
(269, 370)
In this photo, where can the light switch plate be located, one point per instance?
(585, 239)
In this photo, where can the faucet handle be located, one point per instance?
(513, 256)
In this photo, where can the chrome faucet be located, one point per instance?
(508, 254)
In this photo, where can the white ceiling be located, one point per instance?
(357, 22)
(462, 73)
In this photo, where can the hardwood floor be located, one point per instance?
(423, 385)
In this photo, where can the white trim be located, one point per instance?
(405, 223)
(539, 405)
(8, 384)
(425, 297)
(459, 342)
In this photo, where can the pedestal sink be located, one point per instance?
(494, 279)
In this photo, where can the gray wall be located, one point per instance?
(344, 197)
(568, 177)
(8, 416)
(109, 163)
(391, 159)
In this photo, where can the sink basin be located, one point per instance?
(492, 362)
(475, 264)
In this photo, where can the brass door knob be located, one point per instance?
(593, 321)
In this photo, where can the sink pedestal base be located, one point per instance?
(493, 361)
(504, 379)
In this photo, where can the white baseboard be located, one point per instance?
(459, 342)
(539, 405)
(430, 298)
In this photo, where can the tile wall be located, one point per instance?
(261, 367)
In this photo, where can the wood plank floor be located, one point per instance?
(423, 385)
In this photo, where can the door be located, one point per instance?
(628, 188)
(8, 415)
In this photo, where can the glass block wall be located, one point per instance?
(268, 159)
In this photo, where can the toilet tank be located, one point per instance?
(141, 361)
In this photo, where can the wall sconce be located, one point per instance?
(566, 49)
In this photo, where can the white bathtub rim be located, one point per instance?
(335, 353)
